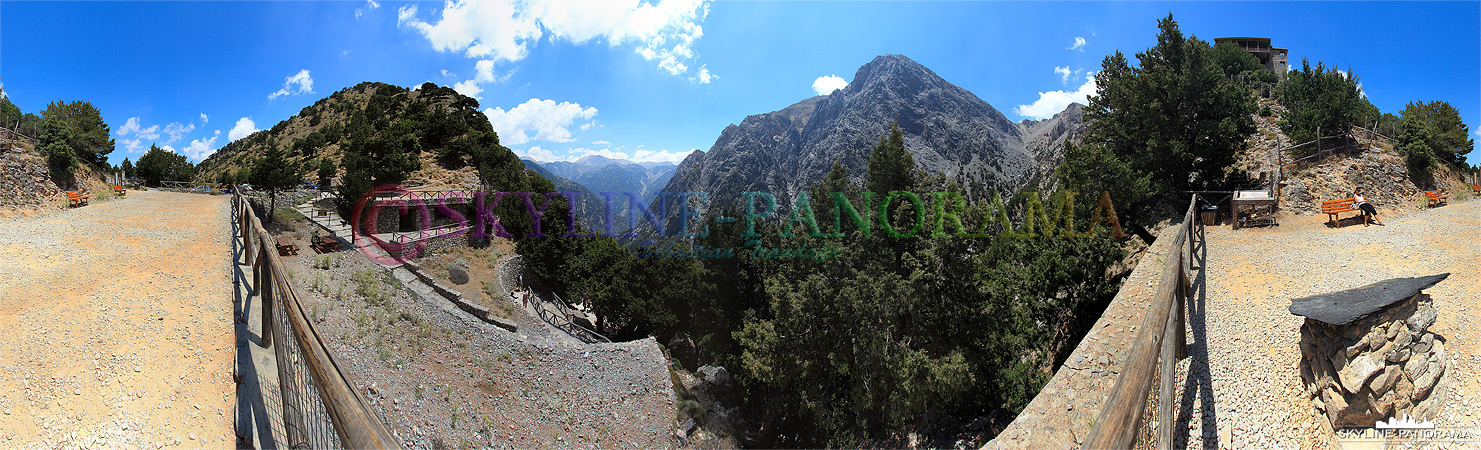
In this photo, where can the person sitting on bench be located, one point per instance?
(1362, 202)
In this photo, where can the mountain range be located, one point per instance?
(602, 174)
(949, 131)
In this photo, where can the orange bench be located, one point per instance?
(120, 191)
(287, 249)
(1476, 189)
(1436, 198)
(1334, 207)
(76, 198)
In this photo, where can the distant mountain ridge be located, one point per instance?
(602, 174)
(949, 131)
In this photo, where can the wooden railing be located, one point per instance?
(1161, 336)
(355, 424)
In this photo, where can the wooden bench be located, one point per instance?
(1334, 207)
(287, 249)
(1436, 198)
(1476, 189)
(325, 244)
(120, 191)
(76, 198)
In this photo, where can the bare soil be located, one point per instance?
(1244, 345)
(118, 325)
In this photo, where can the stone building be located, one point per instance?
(1274, 59)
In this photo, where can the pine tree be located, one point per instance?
(1176, 120)
(272, 174)
(55, 144)
(89, 142)
(327, 170)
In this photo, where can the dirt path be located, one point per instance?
(117, 320)
(1244, 349)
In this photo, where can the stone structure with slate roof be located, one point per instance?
(1367, 353)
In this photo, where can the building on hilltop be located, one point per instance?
(1274, 59)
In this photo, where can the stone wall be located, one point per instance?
(1063, 412)
(390, 219)
(25, 181)
(1377, 367)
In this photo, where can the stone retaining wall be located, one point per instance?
(1065, 409)
(457, 298)
(1385, 365)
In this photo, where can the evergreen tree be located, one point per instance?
(272, 174)
(1324, 99)
(1176, 120)
(161, 165)
(90, 141)
(1435, 128)
(327, 170)
(373, 159)
(891, 166)
(56, 145)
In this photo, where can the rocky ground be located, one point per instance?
(117, 319)
(445, 379)
(1241, 385)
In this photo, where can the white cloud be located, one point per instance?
(243, 128)
(1052, 102)
(177, 131)
(605, 153)
(205, 119)
(141, 135)
(469, 88)
(504, 30)
(445, 73)
(134, 146)
(369, 5)
(1064, 74)
(483, 73)
(298, 83)
(538, 154)
(675, 157)
(704, 76)
(200, 149)
(132, 126)
(405, 14)
(168, 148)
(1078, 45)
(546, 119)
(825, 85)
(609, 143)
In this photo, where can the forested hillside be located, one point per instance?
(375, 133)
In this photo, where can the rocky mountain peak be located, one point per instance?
(948, 130)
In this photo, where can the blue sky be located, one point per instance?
(652, 80)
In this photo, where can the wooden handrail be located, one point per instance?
(354, 422)
(1161, 336)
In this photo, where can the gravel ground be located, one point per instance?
(1244, 352)
(117, 320)
(445, 379)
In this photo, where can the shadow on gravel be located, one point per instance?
(1199, 387)
(251, 410)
